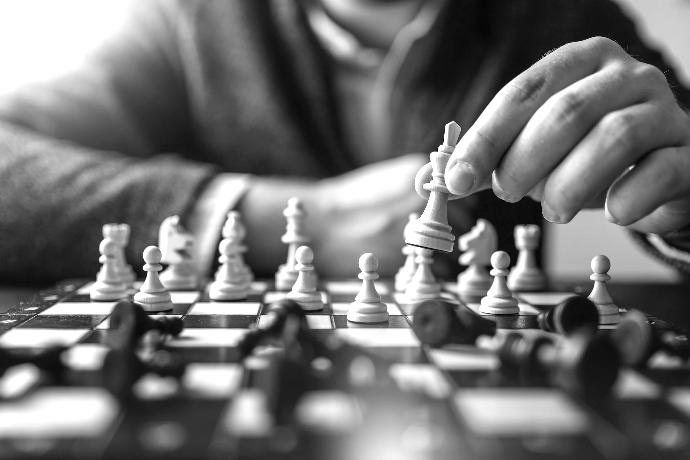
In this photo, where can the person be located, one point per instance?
(199, 107)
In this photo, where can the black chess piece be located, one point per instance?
(437, 323)
(638, 339)
(575, 313)
(287, 321)
(129, 322)
(122, 368)
(582, 364)
(48, 360)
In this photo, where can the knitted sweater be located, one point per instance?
(193, 88)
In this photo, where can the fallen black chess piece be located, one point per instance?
(48, 360)
(638, 339)
(129, 322)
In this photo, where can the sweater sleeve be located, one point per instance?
(94, 147)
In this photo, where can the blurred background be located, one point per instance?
(44, 38)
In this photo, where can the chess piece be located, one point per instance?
(282, 316)
(152, 295)
(48, 360)
(231, 282)
(431, 230)
(108, 285)
(129, 322)
(122, 368)
(367, 307)
(499, 300)
(177, 245)
(423, 285)
(235, 231)
(608, 311)
(294, 237)
(406, 272)
(120, 234)
(637, 339)
(478, 244)
(438, 323)
(574, 314)
(304, 290)
(526, 275)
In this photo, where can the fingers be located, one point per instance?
(482, 147)
(654, 197)
(614, 144)
(564, 119)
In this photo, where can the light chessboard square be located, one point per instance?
(379, 337)
(41, 338)
(207, 337)
(340, 308)
(464, 358)
(80, 308)
(423, 378)
(184, 297)
(633, 385)
(213, 380)
(225, 308)
(313, 321)
(544, 298)
(85, 356)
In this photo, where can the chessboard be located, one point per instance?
(400, 398)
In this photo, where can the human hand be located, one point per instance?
(586, 126)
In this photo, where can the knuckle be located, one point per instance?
(651, 74)
(619, 131)
(603, 45)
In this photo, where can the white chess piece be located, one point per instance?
(294, 237)
(177, 246)
(367, 307)
(526, 275)
(231, 279)
(431, 230)
(108, 285)
(119, 233)
(304, 290)
(499, 300)
(406, 272)
(423, 284)
(235, 230)
(152, 295)
(478, 245)
(608, 311)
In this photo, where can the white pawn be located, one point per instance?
(367, 307)
(423, 284)
(431, 230)
(526, 275)
(152, 295)
(477, 245)
(406, 272)
(231, 281)
(108, 285)
(608, 311)
(304, 290)
(499, 300)
(119, 233)
(294, 237)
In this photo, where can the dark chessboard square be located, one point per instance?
(514, 321)
(63, 321)
(220, 321)
(207, 354)
(8, 322)
(96, 336)
(394, 321)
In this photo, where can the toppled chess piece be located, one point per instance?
(573, 314)
(129, 322)
(122, 368)
(294, 237)
(431, 230)
(478, 245)
(177, 245)
(153, 296)
(526, 274)
(406, 272)
(438, 323)
(48, 360)
(367, 307)
(304, 290)
(499, 299)
(637, 340)
(608, 311)
(108, 285)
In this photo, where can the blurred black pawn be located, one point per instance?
(286, 320)
(437, 323)
(575, 313)
(637, 340)
(48, 360)
(122, 368)
(129, 322)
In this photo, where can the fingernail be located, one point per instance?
(610, 217)
(550, 215)
(460, 178)
(501, 193)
